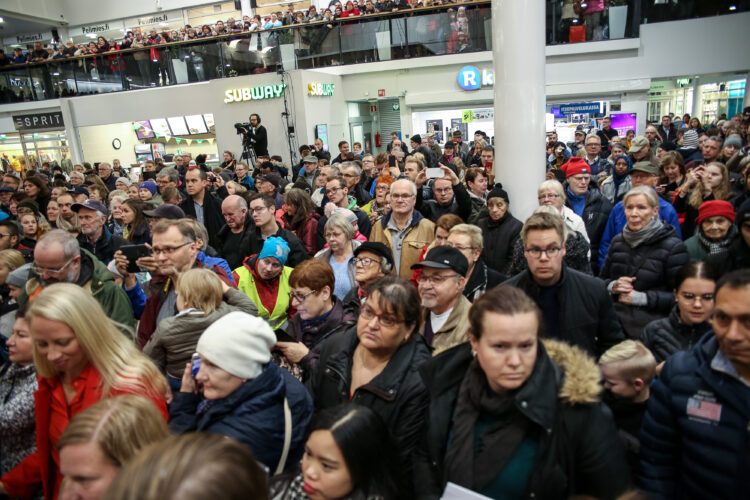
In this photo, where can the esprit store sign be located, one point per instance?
(322, 89)
(38, 121)
(472, 78)
(254, 93)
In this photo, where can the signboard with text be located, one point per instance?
(39, 121)
(580, 108)
(622, 122)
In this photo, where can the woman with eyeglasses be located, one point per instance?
(339, 233)
(690, 317)
(551, 193)
(319, 315)
(375, 364)
(642, 262)
(80, 357)
(372, 260)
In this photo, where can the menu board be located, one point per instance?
(196, 125)
(209, 118)
(160, 126)
(177, 124)
(143, 130)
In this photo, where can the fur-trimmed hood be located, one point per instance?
(582, 378)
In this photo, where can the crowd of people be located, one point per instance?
(382, 326)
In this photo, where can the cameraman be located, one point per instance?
(254, 136)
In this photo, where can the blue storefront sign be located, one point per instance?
(580, 108)
(472, 78)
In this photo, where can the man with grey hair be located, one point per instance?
(355, 183)
(234, 235)
(404, 230)
(107, 175)
(77, 179)
(599, 166)
(59, 259)
(169, 177)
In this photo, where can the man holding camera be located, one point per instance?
(254, 136)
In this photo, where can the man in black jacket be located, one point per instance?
(263, 211)
(576, 307)
(256, 136)
(202, 205)
(352, 174)
(236, 233)
(450, 196)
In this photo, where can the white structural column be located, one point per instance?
(518, 42)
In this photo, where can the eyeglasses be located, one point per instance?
(436, 279)
(549, 196)
(45, 270)
(549, 252)
(349, 175)
(691, 297)
(365, 261)
(592, 144)
(399, 196)
(300, 297)
(382, 187)
(385, 320)
(3, 235)
(460, 248)
(168, 250)
(257, 210)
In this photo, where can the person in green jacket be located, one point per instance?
(58, 258)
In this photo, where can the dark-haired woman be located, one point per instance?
(499, 230)
(511, 416)
(134, 224)
(349, 454)
(375, 364)
(301, 218)
(690, 318)
(37, 190)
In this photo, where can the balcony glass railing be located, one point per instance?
(450, 28)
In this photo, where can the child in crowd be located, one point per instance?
(171, 195)
(628, 369)
(147, 190)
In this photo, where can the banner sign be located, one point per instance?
(580, 108)
(53, 119)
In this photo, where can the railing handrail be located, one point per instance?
(248, 34)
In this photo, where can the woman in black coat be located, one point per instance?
(375, 365)
(513, 417)
(642, 262)
(499, 230)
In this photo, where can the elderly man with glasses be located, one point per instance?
(105, 172)
(58, 258)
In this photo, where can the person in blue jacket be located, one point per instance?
(245, 396)
(695, 441)
(643, 173)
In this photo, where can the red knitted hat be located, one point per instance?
(714, 208)
(576, 165)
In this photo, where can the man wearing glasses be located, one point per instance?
(441, 286)
(262, 210)
(449, 196)
(576, 306)
(338, 194)
(109, 178)
(59, 259)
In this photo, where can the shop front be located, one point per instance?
(38, 138)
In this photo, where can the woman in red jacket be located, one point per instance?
(302, 219)
(80, 357)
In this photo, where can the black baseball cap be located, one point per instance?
(166, 211)
(377, 248)
(444, 257)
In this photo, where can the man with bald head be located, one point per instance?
(235, 234)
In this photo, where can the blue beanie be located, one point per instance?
(275, 247)
(150, 185)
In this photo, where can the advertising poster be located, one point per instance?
(457, 124)
(435, 127)
(622, 122)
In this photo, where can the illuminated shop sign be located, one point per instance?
(472, 78)
(254, 93)
(324, 89)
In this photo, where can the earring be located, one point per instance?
(473, 353)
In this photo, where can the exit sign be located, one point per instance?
(381, 92)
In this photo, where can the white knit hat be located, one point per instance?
(238, 343)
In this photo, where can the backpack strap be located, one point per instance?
(287, 438)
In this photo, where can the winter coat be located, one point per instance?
(578, 450)
(654, 263)
(482, 279)
(694, 438)
(454, 331)
(17, 438)
(498, 240)
(307, 231)
(420, 233)
(608, 188)
(460, 205)
(576, 255)
(669, 335)
(253, 415)
(102, 286)
(236, 255)
(297, 251)
(587, 314)
(212, 216)
(595, 215)
(738, 257)
(397, 394)
(173, 343)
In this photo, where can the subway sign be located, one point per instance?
(321, 89)
(254, 93)
(472, 78)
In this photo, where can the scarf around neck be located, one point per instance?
(636, 238)
(716, 247)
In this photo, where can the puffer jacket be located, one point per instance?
(666, 336)
(420, 233)
(738, 257)
(253, 414)
(694, 439)
(498, 241)
(174, 341)
(397, 394)
(653, 263)
(17, 424)
(578, 453)
(595, 215)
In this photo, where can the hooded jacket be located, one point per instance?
(695, 442)
(419, 234)
(578, 450)
(253, 415)
(498, 240)
(666, 336)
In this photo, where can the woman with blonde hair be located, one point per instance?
(102, 439)
(10, 260)
(81, 357)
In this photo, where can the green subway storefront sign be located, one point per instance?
(254, 93)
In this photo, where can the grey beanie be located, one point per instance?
(19, 276)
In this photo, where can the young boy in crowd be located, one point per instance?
(628, 369)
